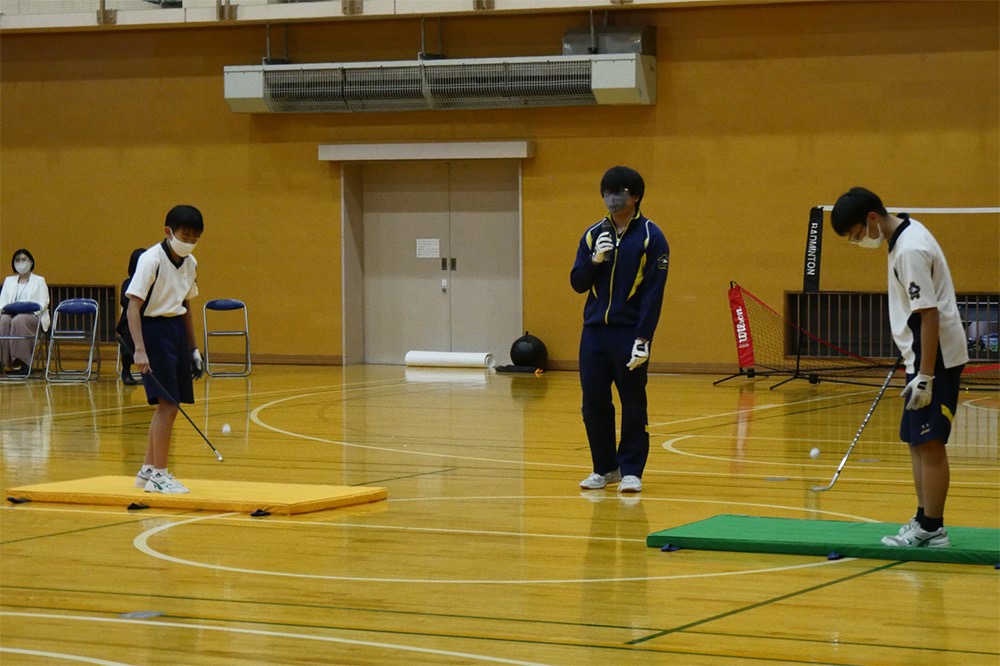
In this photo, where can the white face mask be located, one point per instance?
(868, 242)
(22, 267)
(180, 248)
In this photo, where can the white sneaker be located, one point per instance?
(141, 479)
(166, 484)
(597, 481)
(630, 484)
(917, 537)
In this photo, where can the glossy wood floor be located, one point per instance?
(486, 551)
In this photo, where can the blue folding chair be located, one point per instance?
(232, 326)
(74, 324)
(38, 338)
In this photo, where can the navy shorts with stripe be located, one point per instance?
(933, 422)
(169, 359)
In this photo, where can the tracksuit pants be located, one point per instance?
(604, 353)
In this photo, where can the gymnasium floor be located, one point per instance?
(486, 550)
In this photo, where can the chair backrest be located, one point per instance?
(77, 306)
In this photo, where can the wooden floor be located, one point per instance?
(486, 550)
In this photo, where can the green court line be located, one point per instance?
(79, 530)
(762, 604)
(629, 647)
(221, 624)
(301, 605)
(622, 648)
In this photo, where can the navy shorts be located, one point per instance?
(933, 422)
(169, 360)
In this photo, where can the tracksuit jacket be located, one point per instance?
(626, 290)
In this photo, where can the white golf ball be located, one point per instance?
(226, 430)
(814, 453)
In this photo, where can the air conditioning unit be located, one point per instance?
(480, 83)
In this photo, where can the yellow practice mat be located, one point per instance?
(206, 494)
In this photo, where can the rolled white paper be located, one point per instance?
(435, 359)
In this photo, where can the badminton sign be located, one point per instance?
(814, 250)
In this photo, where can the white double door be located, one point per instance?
(441, 257)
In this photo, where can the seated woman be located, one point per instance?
(24, 285)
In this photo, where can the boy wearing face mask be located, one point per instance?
(162, 327)
(927, 328)
(23, 286)
(621, 264)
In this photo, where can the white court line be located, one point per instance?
(163, 624)
(62, 656)
(669, 446)
(971, 404)
(255, 418)
(115, 512)
(330, 388)
(758, 408)
(141, 543)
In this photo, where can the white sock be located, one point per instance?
(146, 470)
(160, 471)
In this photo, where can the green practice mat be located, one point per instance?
(753, 534)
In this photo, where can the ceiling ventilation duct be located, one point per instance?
(572, 79)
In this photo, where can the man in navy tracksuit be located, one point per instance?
(621, 264)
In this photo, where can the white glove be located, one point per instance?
(918, 391)
(197, 366)
(640, 353)
(602, 246)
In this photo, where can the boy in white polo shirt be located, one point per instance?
(162, 327)
(928, 331)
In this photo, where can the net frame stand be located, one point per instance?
(744, 339)
(792, 357)
(749, 373)
(796, 374)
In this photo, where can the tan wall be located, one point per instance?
(762, 112)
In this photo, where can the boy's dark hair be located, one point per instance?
(24, 252)
(619, 178)
(133, 261)
(184, 216)
(852, 209)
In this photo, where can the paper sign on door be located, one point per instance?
(428, 248)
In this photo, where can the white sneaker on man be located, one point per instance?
(630, 484)
(597, 481)
(918, 537)
(166, 484)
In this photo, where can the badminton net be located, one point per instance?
(769, 343)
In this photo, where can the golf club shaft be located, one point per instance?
(163, 391)
(857, 436)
